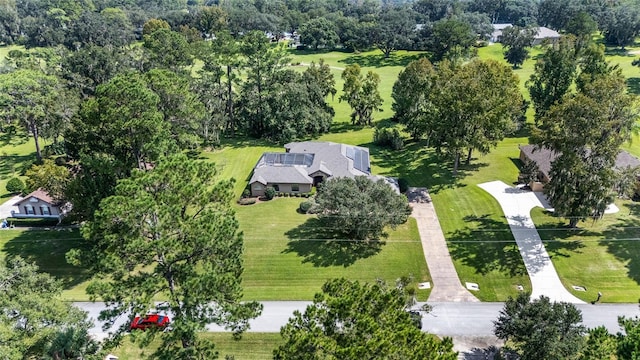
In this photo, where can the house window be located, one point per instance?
(295, 187)
(29, 210)
(257, 187)
(45, 210)
(276, 187)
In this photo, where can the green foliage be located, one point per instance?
(167, 49)
(305, 206)
(153, 25)
(246, 193)
(36, 322)
(350, 320)
(175, 227)
(361, 208)
(540, 329)
(450, 39)
(270, 192)
(50, 177)
(388, 138)
(515, 40)
(629, 341)
(403, 184)
(361, 93)
(600, 345)
(319, 32)
(621, 25)
(411, 93)
(394, 29)
(529, 172)
(15, 185)
(553, 75)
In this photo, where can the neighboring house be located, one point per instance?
(306, 164)
(38, 205)
(543, 33)
(543, 157)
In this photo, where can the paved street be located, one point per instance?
(447, 318)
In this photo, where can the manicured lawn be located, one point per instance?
(603, 256)
(252, 346)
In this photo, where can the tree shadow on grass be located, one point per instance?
(421, 166)
(47, 249)
(379, 60)
(486, 246)
(633, 84)
(321, 246)
(622, 241)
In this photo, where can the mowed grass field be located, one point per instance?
(285, 257)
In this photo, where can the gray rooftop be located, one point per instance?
(305, 158)
(543, 157)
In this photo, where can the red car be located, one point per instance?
(150, 321)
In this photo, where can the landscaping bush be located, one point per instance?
(305, 206)
(388, 138)
(270, 193)
(246, 193)
(15, 185)
(403, 184)
(247, 201)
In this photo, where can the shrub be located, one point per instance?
(403, 184)
(270, 193)
(247, 201)
(15, 185)
(388, 138)
(246, 193)
(280, 194)
(305, 206)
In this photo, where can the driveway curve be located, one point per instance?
(516, 205)
(446, 284)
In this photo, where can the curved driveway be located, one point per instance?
(516, 205)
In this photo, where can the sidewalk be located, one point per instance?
(516, 205)
(446, 284)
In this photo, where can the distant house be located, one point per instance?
(543, 157)
(306, 164)
(38, 205)
(542, 34)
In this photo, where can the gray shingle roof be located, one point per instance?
(543, 157)
(328, 157)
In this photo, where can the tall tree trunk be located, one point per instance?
(231, 120)
(573, 222)
(456, 162)
(36, 139)
(469, 156)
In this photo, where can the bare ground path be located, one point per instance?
(516, 205)
(446, 284)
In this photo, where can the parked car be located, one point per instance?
(150, 321)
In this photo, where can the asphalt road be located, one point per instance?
(446, 319)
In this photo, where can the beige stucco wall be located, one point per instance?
(37, 207)
(258, 189)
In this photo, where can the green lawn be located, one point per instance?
(252, 346)
(602, 256)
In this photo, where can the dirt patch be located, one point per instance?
(418, 195)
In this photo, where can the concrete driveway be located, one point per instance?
(516, 205)
(446, 284)
(7, 206)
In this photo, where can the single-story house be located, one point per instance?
(543, 33)
(38, 205)
(306, 164)
(543, 157)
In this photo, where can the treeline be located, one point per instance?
(349, 24)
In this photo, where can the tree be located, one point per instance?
(553, 75)
(35, 318)
(34, 100)
(621, 25)
(321, 76)
(50, 177)
(600, 345)
(124, 121)
(167, 49)
(210, 20)
(515, 40)
(361, 208)
(628, 341)
(394, 29)
(451, 39)
(319, 32)
(91, 66)
(349, 320)
(361, 93)
(540, 329)
(153, 25)
(413, 96)
(582, 26)
(170, 231)
(557, 14)
(586, 130)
